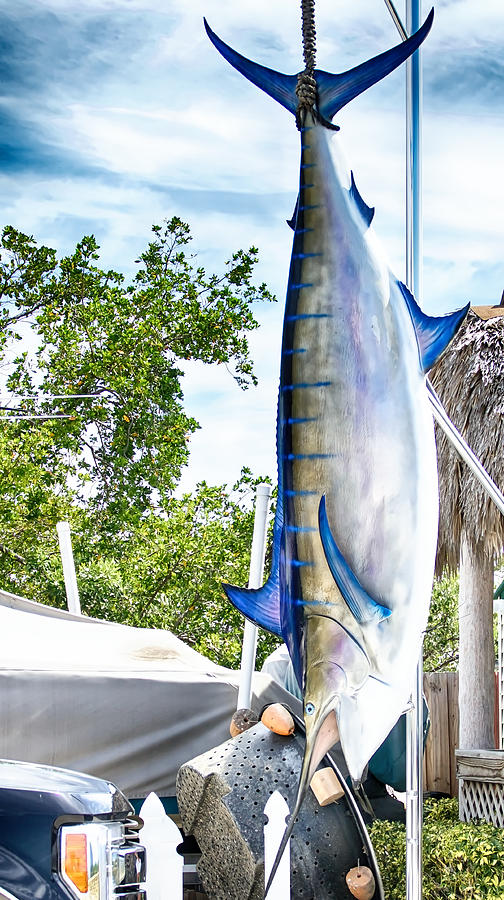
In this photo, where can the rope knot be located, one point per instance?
(306, 87)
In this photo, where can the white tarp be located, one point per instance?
(127, 704)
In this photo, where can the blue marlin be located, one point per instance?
(356, 520)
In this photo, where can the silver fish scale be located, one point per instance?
(359, 431)
(221, 796)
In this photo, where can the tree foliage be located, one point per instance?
(123, 344)
(441, 642)
(143, 555)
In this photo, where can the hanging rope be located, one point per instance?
(306, 88)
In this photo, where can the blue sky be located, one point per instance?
(118, 113)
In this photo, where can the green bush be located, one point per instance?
(461, 860)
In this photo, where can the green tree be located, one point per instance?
(440, 651)
(123, 344)
(143, 555)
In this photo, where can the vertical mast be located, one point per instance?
(414, 250)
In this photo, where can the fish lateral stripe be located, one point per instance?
(301, 494)
(302, 421)
(293, 456)
(363, 608)
(299, 316)
(293, 352)
(300, 529)
(306, 384)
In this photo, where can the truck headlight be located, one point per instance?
(96, 863)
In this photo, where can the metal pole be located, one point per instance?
(414, 244)
(458, 442)
(414, 728)
(414, 734)
(258, 552)
(67, 560)
(414, 250)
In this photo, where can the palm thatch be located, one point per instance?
(469, 379)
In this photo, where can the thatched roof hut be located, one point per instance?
(469, 379)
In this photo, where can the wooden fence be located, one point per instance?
(441, 693)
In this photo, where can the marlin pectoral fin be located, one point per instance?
(367, 212)
(434, 333)
(261, 605)
(361, 605)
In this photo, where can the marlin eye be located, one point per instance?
(309, 709)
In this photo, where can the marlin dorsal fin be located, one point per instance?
(367, 212)
(334, 90)
(434, 333)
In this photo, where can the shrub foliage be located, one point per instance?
(461, 860)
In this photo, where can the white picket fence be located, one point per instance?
(165, 867)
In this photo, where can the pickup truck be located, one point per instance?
(65, 835)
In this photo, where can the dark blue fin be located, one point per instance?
(292, 222)
(361, 605)
(334, 91)
(261, 606)
(367, 212)
(280, 87)
(434, 333)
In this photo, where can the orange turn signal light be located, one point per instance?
(76, 860)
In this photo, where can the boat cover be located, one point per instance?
(126, 704)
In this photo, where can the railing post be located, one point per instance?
(276, 811)
(161, 837)
(258, 552)
(67, 561)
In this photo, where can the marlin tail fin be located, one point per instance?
(334, 91)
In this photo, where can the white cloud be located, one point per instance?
(184, 121)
